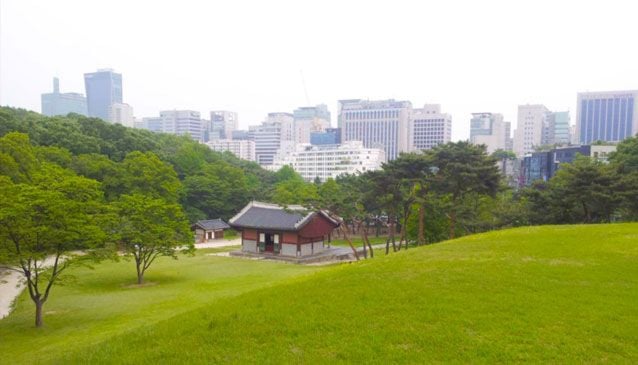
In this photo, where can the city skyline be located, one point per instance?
(446, 63)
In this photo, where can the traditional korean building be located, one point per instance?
(292, 231)
(207, 230)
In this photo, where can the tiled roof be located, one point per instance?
(212, 224)
(272, 216)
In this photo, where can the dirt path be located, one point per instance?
(10, 287)
(219, 243)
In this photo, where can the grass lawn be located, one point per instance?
(558, 294)
(357, 241)
(103, 303)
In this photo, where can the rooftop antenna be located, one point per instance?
(303, 83)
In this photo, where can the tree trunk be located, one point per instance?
(365, 251)
(367, 241)
(140, 272)
(392, 232)
(354, 250)
(587, 213)
(38, 313)
(421, 238)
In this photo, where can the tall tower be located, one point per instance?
(103, 89)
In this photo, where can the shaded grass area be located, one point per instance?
(558, 294)
(357, 241)
(104, 302)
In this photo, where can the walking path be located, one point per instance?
(10, 287)
(219, 243)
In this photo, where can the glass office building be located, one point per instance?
(103, 88)
(606, 116)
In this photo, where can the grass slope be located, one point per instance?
(542, 294)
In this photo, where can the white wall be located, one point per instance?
(288, 249)
(306, 249)
(317, 247)
(249, 245)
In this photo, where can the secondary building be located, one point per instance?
(429, 127)
(208, 230)
(544, 165)
(57, 103)
(292, 231)
(329, 161)
(244, 149)
(377, 123)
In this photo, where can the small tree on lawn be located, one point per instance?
(47, 225)
(150, 228)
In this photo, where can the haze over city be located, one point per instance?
(255, 57)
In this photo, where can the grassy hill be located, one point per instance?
(542, 294)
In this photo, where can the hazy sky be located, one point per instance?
(247, 56)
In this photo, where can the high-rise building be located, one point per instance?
(544, 165)
(490, 130)
(57, 103)
(606, 116)
(222, 124)
(529, 128)
(377, 123)
(103, 88)
(244, 149)
(182, 122)
(329, 136)
(557, 130)
(509, 141)
(428, 127)
(269, 136)
(241, 135)
(185, 122)
(310, 119)
(330, 161)
(122, 113)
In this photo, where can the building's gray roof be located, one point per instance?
(212, 224)
(271, 216)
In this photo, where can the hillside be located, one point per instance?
(553, 293)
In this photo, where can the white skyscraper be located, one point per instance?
(184, 122)
(489, 129)
(330, 161)
(529, 128)
(310, 119)
(222, 124)
(269, 136)
(377, 123)
(122, 113)
(429, 128)
(244, 149)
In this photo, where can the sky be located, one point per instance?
(254, 57)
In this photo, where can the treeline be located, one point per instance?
(207, 184)
(456, 189)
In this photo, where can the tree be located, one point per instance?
(146, 174)
(463, 168)
(590, 187)
(413, 172)
(220, 190)
(626, 156)
(48, 222)
(149, 228)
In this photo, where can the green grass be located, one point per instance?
(103, 303)
(357, 241)
(558, 294)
